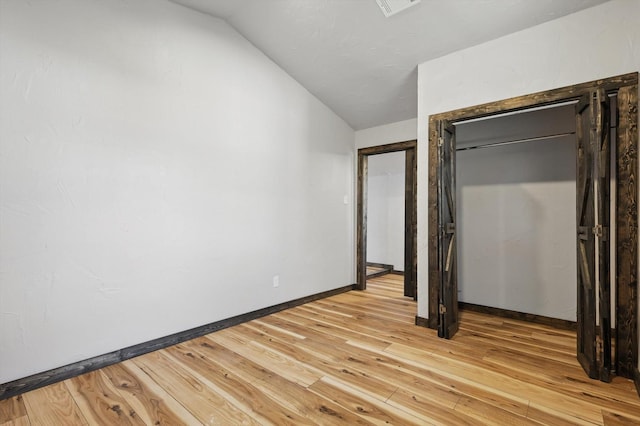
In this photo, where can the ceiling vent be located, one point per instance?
(391, 7)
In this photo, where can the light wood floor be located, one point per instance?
(355, 358)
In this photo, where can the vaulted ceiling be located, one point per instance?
(363, 65)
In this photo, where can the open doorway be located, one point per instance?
(403, 152)
(606, 118)
(385, 214)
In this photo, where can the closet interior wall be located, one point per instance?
(516, 191)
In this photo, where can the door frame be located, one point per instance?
(626, 205)
(410, 213)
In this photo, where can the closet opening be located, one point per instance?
(515, 215)
(504, 179)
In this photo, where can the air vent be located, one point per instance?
(391, 7)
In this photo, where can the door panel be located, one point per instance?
(601, 137)
(447, 265)
(592, 217)
(585, 221)
(410, 267)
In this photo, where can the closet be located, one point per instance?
(533, 196)
(515, 198)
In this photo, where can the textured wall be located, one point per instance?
(156, 172)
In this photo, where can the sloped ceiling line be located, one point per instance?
(363, 65)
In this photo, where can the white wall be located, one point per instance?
(595, 43)
(387, 178)
(156, 172)
(385, 209)
(399, 131)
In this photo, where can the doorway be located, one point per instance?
(410, 209)
(605, 116)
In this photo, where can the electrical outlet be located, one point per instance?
(276, 280)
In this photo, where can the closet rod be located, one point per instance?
(538, 138)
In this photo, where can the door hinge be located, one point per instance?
(449, 228)
(583, 233)
(442, 309)
(599, 231)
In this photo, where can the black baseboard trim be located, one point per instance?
(636, 379)
(396, 272)
(380, 265)
(19, 386)
(386, 269)
(378, 274)
(422, 322)
(506, 313)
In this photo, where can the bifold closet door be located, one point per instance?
(592, 228)
(447, 253)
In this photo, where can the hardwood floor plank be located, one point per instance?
(553, 416)
(279, 331)
(370, 409)
(574, 383)
(99, 401)
(263, 408)
(332, 329)
(18, 421)
(316, 409)
(205, 404)
(616, 419)
(279, 363)
(391, 372)
(423, 407)
(245, 369)
(52, 405)
(504, 392)
(488, 414)
(150, 401)
(12, 409)
(333, 363)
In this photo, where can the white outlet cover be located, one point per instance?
(276, 280)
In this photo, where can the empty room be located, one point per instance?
(319, 212)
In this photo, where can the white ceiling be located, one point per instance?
(363, 65)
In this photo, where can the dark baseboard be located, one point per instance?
(380, 265)
(378, 274)
(386, 269)
(505, 313)
(636, 379)
(19, 386)
(422, 322)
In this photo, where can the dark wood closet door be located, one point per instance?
(448, 304)
(601, 140)
(585, 221)
(592, 217)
